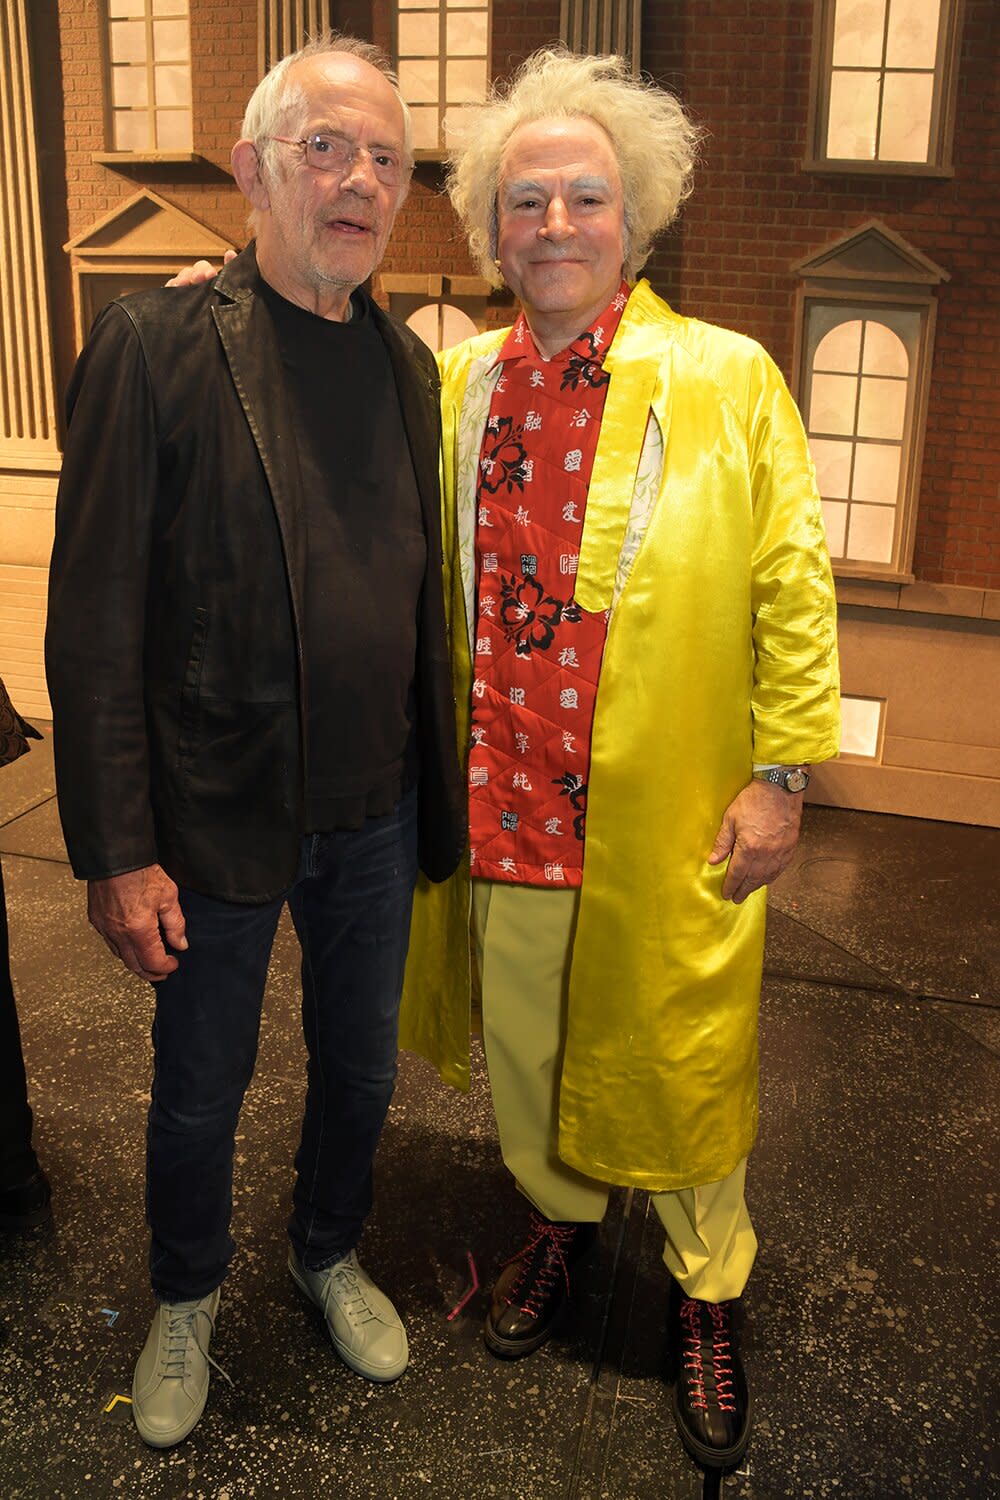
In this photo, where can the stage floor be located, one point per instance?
(871, 1315)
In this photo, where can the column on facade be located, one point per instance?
(29, 444)
(602, 26)
(285, 25)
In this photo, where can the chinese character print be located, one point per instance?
(537, 653)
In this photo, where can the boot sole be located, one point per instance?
(519, 1348)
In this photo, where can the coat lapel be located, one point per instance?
(419, 402)
(254, 360)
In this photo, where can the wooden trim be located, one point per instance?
(943, 103)
(837, 166)
(914, 423)
(27, 390)
(148, 158)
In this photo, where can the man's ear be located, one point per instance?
(246, 170)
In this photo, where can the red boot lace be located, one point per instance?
(722, 1364)
(550, 1243)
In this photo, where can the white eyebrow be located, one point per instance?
(525, 185)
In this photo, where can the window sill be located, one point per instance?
(908, 596)
(148, 158)
(842, 167)
(874, 575)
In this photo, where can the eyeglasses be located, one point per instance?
(333, 153)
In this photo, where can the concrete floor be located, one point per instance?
(872, 1311)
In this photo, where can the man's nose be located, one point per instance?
(360, 175)
(557, 226)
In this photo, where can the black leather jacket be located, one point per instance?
(174, 648)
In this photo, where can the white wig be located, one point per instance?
(654, 143)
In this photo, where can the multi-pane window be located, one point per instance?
(149, 75)
(885, 83)
(858, 396)
(864, 342)
(442, 53)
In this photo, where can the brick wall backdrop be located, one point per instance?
(224, 69)
(743, 68)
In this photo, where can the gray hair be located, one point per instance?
(275, 103)
(655, 144)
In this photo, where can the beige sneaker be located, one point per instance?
(362, 1322)
(170, 1386)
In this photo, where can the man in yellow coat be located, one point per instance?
(643, 629)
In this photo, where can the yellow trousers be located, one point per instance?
(522, 939)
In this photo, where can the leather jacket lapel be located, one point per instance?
(419, 401)
(254, 360)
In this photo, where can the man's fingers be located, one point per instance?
(128, 910)
(724, 840)
(150, 960)
(172, 922)
(195, 275)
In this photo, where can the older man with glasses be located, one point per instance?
(247, 659)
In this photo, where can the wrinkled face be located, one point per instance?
(560, 220)
(330, 229)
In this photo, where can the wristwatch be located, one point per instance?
(789, 778)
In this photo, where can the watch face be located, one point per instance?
(796, 781)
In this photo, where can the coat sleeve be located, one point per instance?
(795, 701)
(97, 599)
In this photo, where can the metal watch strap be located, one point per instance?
(791, 779)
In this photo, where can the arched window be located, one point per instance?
(441, 325)
(442, 310)
(857, 415)
(863, 356)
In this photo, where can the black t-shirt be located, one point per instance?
(366, 555)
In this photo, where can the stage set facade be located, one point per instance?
(846, 213)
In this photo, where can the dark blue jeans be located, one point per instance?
(351, 905)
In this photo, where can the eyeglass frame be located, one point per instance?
(351, 150)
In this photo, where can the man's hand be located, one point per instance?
(202, 270)
(759, 831)
(135, 915)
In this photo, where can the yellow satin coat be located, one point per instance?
(721, 651)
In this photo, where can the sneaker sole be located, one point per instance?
(381, 1377)
(159, 1439)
